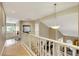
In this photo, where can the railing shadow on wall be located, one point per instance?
(41, 46)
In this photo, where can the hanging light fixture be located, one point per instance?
(55, 26)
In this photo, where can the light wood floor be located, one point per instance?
(15, 50)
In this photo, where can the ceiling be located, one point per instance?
(16, 11)
(33, 10)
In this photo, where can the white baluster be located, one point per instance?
(40, 46)
(44, 48)
(58, 50)
(74, 52)
(53, 49)
(65, 51)
(30, 43)
(45, 45)
(49, 49)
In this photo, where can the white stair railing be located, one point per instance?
(42, 46)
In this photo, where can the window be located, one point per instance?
(11, 28)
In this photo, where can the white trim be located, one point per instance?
(25, 49)
(52, 40)
(2, 50)
(29, 51)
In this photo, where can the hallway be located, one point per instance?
(14, 49)
(43, 29)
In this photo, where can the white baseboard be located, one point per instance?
(2, 50)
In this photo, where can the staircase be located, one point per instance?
(42, 46)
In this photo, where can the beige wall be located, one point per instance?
(52, 34)
(2, 27)
(43, 30)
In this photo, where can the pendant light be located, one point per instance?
(55, 26)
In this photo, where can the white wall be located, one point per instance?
(66, 19)
(36, 28)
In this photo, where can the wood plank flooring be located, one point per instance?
(15, 50)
